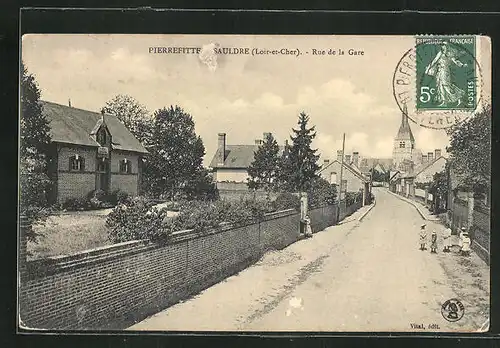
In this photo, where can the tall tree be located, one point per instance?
(300, 167)
(262, 171)
(175, 152)
(34, 183)
(438, 187)
(34, 126)
(132, 114)
(470, 151)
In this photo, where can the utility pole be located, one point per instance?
(341, 172)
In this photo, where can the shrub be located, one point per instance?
(33, 204)
(74, 204)
(321, 193)
(116, 196)
(352, 197)
(136, 219)
(98, 194)
(287, 200)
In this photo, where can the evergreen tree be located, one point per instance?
(34, 126)
(300, 167)
(175, 152)
(262, 171)
(34, 147)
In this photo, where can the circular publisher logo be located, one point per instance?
(452, 310)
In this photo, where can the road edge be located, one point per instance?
(368, 210)
(409, 201)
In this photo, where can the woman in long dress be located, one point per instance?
(440, 68)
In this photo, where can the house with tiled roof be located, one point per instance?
(91, 151)
(231, 162)
(353, 180)
(421, 175)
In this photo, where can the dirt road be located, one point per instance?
(357, 276)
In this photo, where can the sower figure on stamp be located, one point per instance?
(423, 237)
(447, 239)
(434, 242)
(440, 68)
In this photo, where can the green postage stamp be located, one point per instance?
(439, 81)
(446, 73)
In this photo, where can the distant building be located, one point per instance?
(231, 162)
(91, 151)
(404, 144)
(382, 165)
(406, 182)
(353, 180)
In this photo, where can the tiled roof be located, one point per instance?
(368, 163)
(348, 167)
(76, 126)
(422, 167)
(237, 156)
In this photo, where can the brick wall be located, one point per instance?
(459, 215)
(125, 182)
(113, 287)
(74, 185)
(480, 233)
(117, 156)
(65, 152)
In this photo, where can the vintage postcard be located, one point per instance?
(255, 183)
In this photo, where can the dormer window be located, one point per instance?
(125, 166)
(401, 144)
(76, 163)
(101, 137)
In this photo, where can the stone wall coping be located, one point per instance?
(55, 264)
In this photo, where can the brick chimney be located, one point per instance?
(326, 162)
(339, 156)
(355, 158)
(430, 156)
(437, 153)
(424, 158)
(221, 149)
(348, 159)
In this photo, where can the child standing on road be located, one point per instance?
(465, 245)
(447, 239)
(434, 243)
(423, 237)
(463, 231)
(308, 229)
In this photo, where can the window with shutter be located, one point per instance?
(77, 163)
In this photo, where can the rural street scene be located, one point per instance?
(321, 284)
(254, 183)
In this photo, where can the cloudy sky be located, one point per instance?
(244, 95)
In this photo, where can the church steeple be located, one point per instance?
(405, 132)
(404, 143)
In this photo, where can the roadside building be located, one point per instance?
(91, 151)
(231, 162)
(352, 178)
